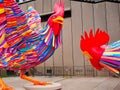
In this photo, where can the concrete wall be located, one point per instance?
(68, 59)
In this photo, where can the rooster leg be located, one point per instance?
(36, 82)
(4, 86)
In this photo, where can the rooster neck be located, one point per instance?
(49, 37)
(96, 52)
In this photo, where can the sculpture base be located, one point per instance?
(53, 86)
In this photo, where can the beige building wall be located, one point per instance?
(84, 16)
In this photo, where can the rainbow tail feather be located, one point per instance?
(111, 57)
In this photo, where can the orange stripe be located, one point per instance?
(112, 58)
(21, 28)
(14, 41)
(110, 68)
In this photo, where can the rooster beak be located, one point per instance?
(87, 54)
(59, 19)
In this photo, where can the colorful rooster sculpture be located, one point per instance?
(100, 54)
(23, 42)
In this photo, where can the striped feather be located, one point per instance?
(111, 57)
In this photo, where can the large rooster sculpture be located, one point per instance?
(99, 53)
(23, 42)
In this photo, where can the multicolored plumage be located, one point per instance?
(24, 43)
(100, 54)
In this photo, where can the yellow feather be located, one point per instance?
(2, 38)
(2, 10)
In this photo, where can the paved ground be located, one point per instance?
(74, 83)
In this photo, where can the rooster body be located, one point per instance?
(28, 44)
(23, 42)
(100, 54)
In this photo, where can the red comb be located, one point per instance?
(90, 40)
(59, 7)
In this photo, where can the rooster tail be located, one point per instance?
(111, 57)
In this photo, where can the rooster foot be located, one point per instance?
(6, 88)
(42, 83)
(34, 81)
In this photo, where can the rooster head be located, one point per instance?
(93, 45)
(56, 20)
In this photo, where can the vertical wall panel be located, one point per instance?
(87, 13)
(23, 7)
(67, 43)
(88, 19)
(39, 6)
(52, 5)
(58, 57)
(47, 6)
(76, 32)
(31, 4)
(67, 3)
(119, 11)
(100, 16)
(113, 24)
(100, 21)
